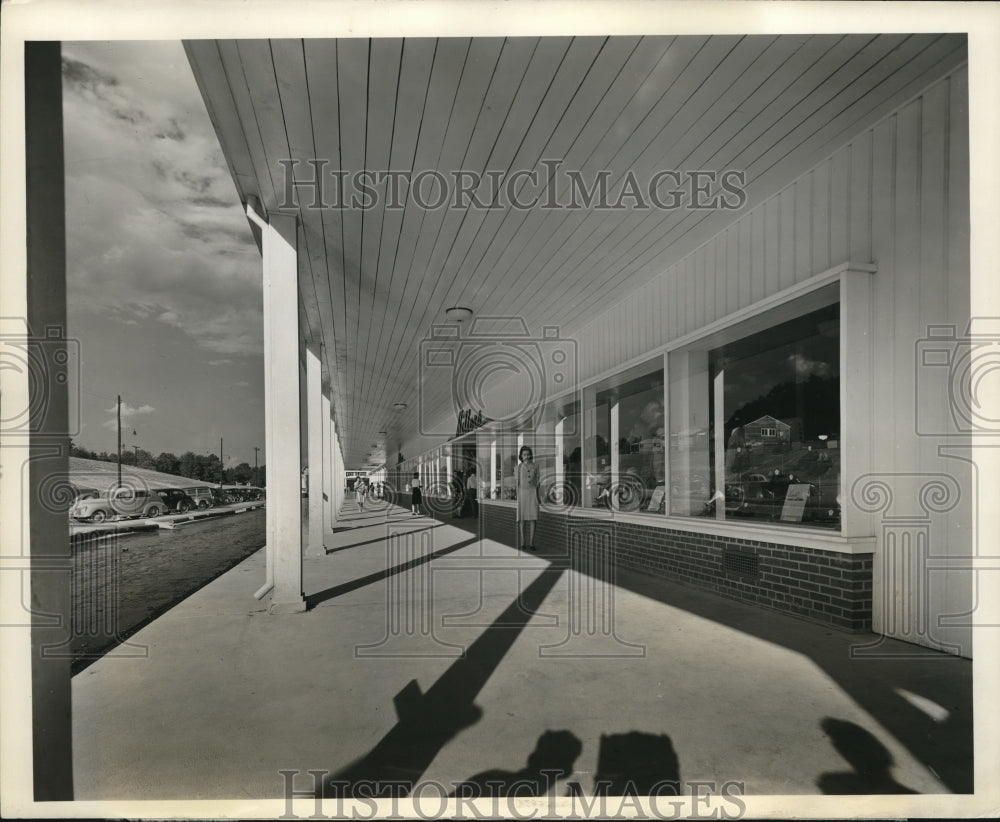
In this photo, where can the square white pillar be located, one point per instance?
(338, 474)
(282, 425)
(327, 458)
(314, 449)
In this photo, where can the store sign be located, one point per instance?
(656, 501)
(795, 502)
(468, 421)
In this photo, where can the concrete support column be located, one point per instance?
(341, 476)
(338, 473)
(327, 457)
(44, 602)
(282, 422)
(314, 445)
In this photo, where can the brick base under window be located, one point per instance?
(823, 586)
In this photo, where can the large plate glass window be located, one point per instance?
(624, 454)
(755, 418)
(557, 452)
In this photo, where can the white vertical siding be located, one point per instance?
(896, 195)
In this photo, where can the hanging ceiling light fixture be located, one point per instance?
(459, 313)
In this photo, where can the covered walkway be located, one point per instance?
(429, 654)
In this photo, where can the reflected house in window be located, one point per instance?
(767, 430)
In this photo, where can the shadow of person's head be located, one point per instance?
(555, 751)
(859, 747)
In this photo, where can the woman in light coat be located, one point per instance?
(527, 496)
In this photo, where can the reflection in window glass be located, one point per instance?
(507, 459)
(572, 465)
(641, 468)
(763, 414)
(597, 465)
(556, 444)
(625, 455)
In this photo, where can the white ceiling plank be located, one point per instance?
(825, 127)
(417, 60)
(241, 98)
(321, 82)
(477, 71)
(583, 91)
(450, 56)
(213, 83)
(385, 63)
(602, 100)
(373, 282)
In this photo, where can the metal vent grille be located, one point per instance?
(741, 563)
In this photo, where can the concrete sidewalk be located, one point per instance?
(435, 655)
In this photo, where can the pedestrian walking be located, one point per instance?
(415, 498)
(362, 493)
(458, 495)
(472, 492)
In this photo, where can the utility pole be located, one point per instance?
(221, 464)
(119, 440)
(256, 474)
(135, 451)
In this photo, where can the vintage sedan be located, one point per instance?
(120, 502)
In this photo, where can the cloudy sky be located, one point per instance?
(163, 274)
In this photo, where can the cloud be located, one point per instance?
(153, 219)
(803, 365)
(219, 362)
(129, 412)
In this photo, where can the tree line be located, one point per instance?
(203, 467)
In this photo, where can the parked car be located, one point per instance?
(121, 502)
(202, 496)
(81, 494)
(178, 500)
(221, 497)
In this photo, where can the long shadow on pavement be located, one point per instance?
(380, 538)
(339, 590)
(879, 685)
(889, 688)
(427, 722)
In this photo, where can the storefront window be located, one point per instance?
(625, 460)
(507, 458)
(755, 420)
(556, 430)
(544, 448)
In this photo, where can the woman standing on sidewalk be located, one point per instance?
(415, 497)
(362, 493)
(527, 496)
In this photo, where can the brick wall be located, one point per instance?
(823, 586)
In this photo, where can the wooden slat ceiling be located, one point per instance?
(374, 281)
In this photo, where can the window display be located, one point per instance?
(556, 444)
(507, 438)
(625, 454)
(755, 422)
